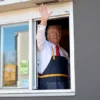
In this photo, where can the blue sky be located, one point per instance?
(9, 36)
(9, 40)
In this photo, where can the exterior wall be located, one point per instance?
(6, 2)
(26, 14)
(87, 52)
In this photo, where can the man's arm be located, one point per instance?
(41, 28)
(41, 37)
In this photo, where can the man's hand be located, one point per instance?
(44, 14)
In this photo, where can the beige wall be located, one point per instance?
(33, 13)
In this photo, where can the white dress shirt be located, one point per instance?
(44, 50)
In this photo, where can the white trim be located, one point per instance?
(2, 41)
(30, 55)
(35, 19)
(57, 16)
(34, 53)
(18, 61)
(26, 93)
(38, 94)
(0, 53)
(72, 62)
(35, 91)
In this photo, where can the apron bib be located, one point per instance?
(55, 75)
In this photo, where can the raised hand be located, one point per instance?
(44, 14)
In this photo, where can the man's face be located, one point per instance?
(54, 34)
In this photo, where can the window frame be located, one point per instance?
(2, 42)
(32, 37)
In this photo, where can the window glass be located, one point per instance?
(15, 57)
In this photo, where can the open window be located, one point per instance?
(63, 22)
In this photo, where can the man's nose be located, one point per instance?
(55, 33)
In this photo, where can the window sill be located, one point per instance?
(35, 93)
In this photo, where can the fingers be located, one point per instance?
(44, 11)
(43, 7)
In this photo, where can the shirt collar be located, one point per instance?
(53, 45)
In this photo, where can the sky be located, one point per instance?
(9, 39)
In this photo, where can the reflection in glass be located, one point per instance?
(10, 69)
(15, 56)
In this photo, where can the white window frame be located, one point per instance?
(32, 37)
(2, 42)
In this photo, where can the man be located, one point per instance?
(53, 60)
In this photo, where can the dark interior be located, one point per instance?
(64, 23)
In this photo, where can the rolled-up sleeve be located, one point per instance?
(41, 39)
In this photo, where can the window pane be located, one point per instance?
(15, 56)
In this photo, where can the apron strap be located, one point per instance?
(52, 75)
(53, 55)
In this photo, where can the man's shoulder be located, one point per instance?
(46, 46)
(64, 51)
